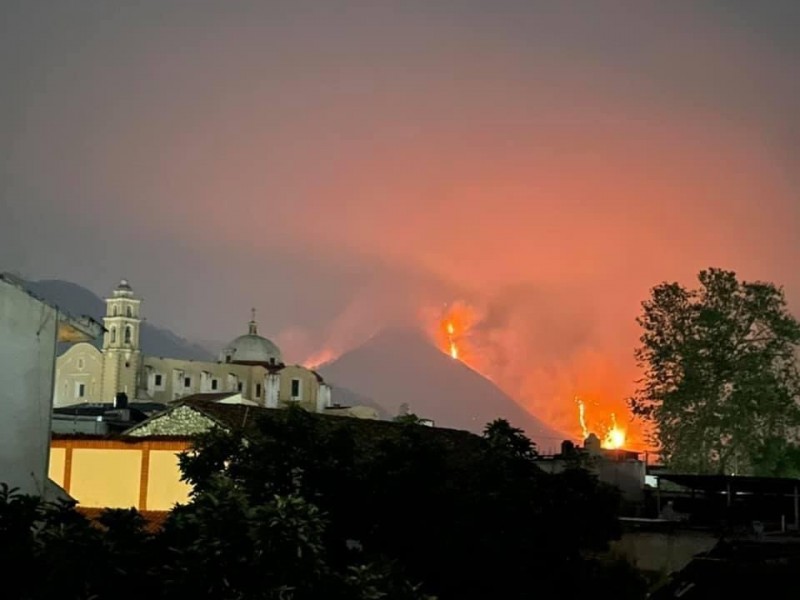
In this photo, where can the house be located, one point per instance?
(621, 468)
(30, 329)
(139, 468)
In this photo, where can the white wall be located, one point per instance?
(28, 330)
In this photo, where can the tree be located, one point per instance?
(721, 384)
(466, 516)
(300, 506)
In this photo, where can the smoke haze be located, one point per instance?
(344, 166)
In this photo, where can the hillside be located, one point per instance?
(401, 366)
(77, 300)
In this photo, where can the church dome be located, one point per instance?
(123, 290)
(252, 348)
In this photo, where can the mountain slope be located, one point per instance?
(77, 300)
(401, 366)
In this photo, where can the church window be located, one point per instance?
(295, 388)
(80, 364)
(80, 390)
(128, 311)
(187, 382)
(239, 386)
(258, 390)
(159, 380)
(127, 334)
(114, 311)
(113, 335)
(214, 384)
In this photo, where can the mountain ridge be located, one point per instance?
(78, 300)
(401, 366)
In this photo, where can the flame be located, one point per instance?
(451, 330)
(614, 437)
(319, 358)
(582, 417)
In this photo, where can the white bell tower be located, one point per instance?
(121, 352)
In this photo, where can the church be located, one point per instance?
(250, 366)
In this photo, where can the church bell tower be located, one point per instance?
(121, 352)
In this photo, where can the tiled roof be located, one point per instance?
(244, 418)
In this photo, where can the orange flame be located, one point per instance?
(582, 417)
(614, 437)
(451, 330)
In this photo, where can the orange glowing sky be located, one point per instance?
(347, 165)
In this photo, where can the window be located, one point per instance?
(114, 311)
(127, 334)
(81, 364)
(128, 311)
(158, 380)
(81, 390)
(295, 388)
(239, 386)
(187, 382)
(113, 335)
(214, 384)
(258, 390)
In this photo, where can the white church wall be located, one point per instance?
(82, 364)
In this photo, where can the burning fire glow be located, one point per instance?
(582, 417)
(451, 330)
(458, 329)
(614, 437)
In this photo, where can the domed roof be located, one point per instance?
(124, 289)
(252, 348)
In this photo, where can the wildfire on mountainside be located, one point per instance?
(454, 324)
(459, 334)
(612, 438)
(451, 343)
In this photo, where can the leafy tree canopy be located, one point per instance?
(302, 507)
(721, 384)
(467, 516)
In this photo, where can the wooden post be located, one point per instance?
(728, 485)
(67, 483)
(144, 476)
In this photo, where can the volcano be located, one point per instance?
(401, 366)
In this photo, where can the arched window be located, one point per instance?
(128, 311)
(114, 311)
(127, 334)
(113, 335)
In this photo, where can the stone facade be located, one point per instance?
(182, 420)
(250, 365)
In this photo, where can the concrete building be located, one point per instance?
(251, 365)
(30, 329)
(620, 468)
(140, 468)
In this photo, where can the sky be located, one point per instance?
(342, 166)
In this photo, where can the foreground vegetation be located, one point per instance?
(301, 507)
(721, 384)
